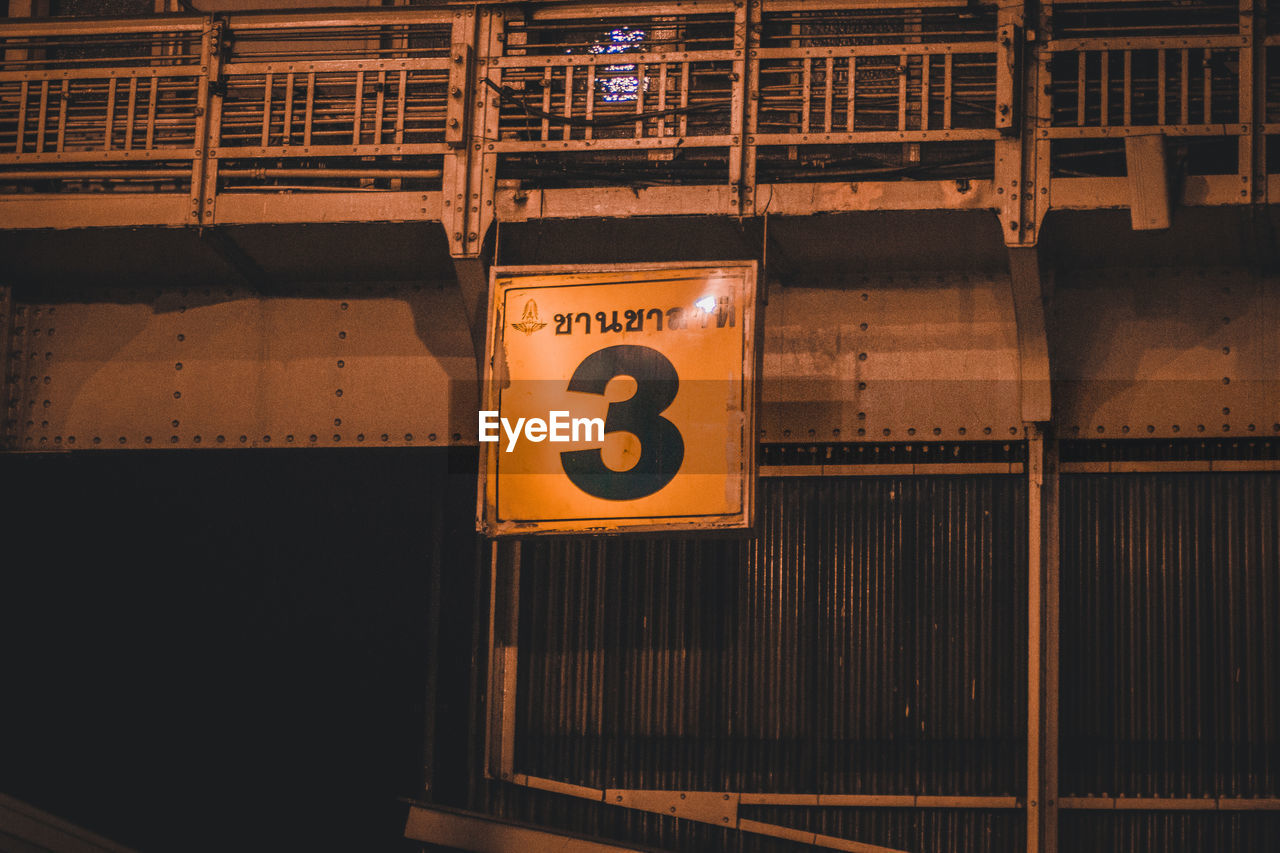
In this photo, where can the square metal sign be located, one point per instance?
(619, 398)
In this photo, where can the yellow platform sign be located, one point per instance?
(619, 398)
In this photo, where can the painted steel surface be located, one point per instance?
(651, 372)
(1166, 353)
(217, 368)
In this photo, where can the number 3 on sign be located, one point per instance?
(678, 453)
(661, 447)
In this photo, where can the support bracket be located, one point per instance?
(1148, 170)
(204, 169)
(473, 287)
(1030, 298)
(1022, 172)
(470, 170)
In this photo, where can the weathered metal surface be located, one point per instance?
(1136, 352)
(1166, 352)
(754, 101)
(937, 359)
(229, 368)
(903, 358)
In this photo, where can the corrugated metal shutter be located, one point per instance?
(1170, 655)
(871, 638)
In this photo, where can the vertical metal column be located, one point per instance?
(1023, 106)
(204, 169)
(1042, 640)
(504, 633)
(744, 109)
(470, 170)
(1253, 100)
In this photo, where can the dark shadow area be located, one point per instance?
(232, 651)
(49, 264)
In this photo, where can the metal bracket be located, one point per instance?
(1029, 298)
(473, 287)
(457, 114)
(720, 808)
(1148, 171)
(1022, 159)
(470, 171)
(702, 806)
(1008, 65)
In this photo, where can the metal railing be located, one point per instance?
(91, 101)
(458, 100)
(1183, 86)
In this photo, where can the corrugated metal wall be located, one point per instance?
(1170, 655)
(1170, 641)
(871, 638)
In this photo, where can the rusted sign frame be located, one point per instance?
(487, 520)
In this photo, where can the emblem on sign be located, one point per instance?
(636, 413)
(529, 322)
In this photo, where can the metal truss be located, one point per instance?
(473, 113)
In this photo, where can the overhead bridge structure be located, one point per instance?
(1014, 577)
(471, 114)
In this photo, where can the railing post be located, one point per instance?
(208, 128)
(745, 104)
(470, 169)
(1022, 109)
